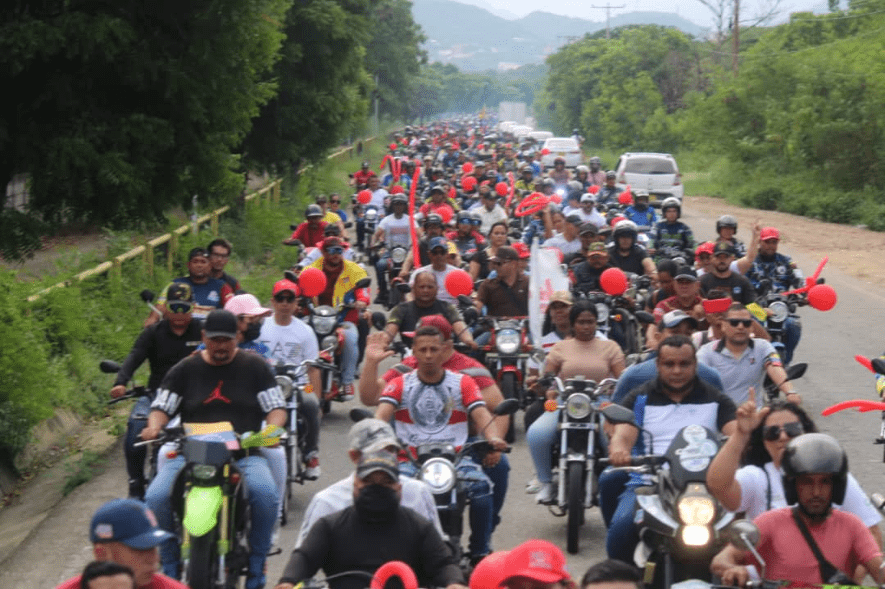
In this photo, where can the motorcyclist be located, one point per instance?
(596, 176)
(582, 175)
(465, 236)
(309, 231)
(433, 227)
(726, 228)
(671, 237)
(587, 211)
(437, 200)
(626, 254)
(361, 177)
(162, 344)
(559, 173)
(393, 230)
(639, 212)
(314, 252)
(609, 191)
(526, 180)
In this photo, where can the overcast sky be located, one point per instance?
(692, 10)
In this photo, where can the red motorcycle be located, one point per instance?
(506, 357)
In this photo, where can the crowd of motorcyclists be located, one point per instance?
(690, 344)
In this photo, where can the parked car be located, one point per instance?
(564, 147)
(540, 136)
(655, 173)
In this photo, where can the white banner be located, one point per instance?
(546, 278)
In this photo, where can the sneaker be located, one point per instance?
(347, 392)
(533, 486)
(312, 470)
(381, 299)
(547, 494)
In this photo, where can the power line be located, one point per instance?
(608, 11)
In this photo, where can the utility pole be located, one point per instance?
(735, 40)
(608, 13)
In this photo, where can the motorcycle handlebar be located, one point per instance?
(133, 393)
(646, 460)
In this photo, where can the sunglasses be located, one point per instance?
(335, 250)
(439, 252)
(335, 202)
(773, 432)
(180, 307)
(284, 298)
(736, 322)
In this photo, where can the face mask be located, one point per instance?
(376, 504)
(640, 206)
(252, 332)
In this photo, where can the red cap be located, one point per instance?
(716, 305)
(522, 249)
(437, 321)
(704, 248)
(283, 285)
(538, 560)
(331, 241)
(490, 572)
(769, 233)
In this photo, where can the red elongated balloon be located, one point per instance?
(467, 168)
(364, 197)
(312, 282)
(458, 282)
(501, 188)
(822, 297)
(556, 198)
(394, 568)
(452, 192)
(865, 362)
(613, 281)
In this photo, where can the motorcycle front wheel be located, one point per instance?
(508, 391)
(202, 567)
(574, 504)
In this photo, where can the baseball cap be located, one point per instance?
(490, 572)
(283, 285)
(437, 321)
(561, 296)
(246, 304)
(129, 522)
(769, 233)
(574, 219)
(704, 248)
(673, 318)
(380, 460)
(436, 242)
(197, 252)
(321, 198)
(437, 188)
(220, 323)
(505, 253)
(587, 198)
(723, 247)
(716, 305)
(179, 291)
(372, 435)
(588, 227)
(331, 241)
(686, 273)
(596, 248)
(522, 249)
(538, 560)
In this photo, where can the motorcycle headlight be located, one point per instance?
(602, 312)
(285, 384)
(507, 341)
(439, 475)
(371, 214)
(204, 472)
(696, 510)
(398, 255)
(778, 311)
(330, 341)
(324, 324)
(695, 535)
(578, 406)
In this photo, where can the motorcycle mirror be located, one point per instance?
(378, 320)
(618, 414)
(363, 283)
(109, 367)
(147, 295)
(795, 371)
(293, 227)
(507, 407)
(465, 300)
(878, 365)
(742, 532)
(358, 414)
(289, 275)
(403, 287)
(764, 287)
(645, 317)
(821, 281)
(348, 225)
(470, 315)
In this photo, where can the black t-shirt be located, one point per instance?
(405, 315)
(737, 285)
(162, 348)
(630, 263)
(242, 392)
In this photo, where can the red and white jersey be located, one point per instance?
(432, 412)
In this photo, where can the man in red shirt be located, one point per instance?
(310, 231)
(125, 531)
(361, 176)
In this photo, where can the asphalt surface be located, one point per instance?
(58, 548)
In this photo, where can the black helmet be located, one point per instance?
(726, 221)
(576, 131)
(559, 160)
(313, 211)
(814, 454)
(365, 164)
(672, 203)
(331, 229)
(399, 199)
(431, 219)
(611, 174)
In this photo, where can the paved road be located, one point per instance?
(58, 548)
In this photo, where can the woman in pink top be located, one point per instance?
(582, 354)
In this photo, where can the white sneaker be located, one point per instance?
(312, 469)
(546, 494)
(533, 486)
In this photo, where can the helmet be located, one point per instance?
(399, 199)
(331, 229)
(672, 203)
(583, 168)
(814, 454)
(611, 174)
(431, 219)
(576, 131)
(477, 218)
(549, 182)
(575, 187)
(726, 221)
(595, 161)
(559, 160)
(464, 217)
(625, 227)
(365, 164)
(525, 167)
(313, 211)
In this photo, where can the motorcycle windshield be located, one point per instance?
(690, 454)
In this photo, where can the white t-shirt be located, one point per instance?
(378, 199)
(292, 344)
(396, 231)
(560, 243)
(416, 496)
(754, 499)
(489, 218)
(441, 293)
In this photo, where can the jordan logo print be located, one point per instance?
(216, 395)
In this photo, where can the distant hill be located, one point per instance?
(474, 39)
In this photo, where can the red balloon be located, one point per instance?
(613, 281)
(481, 146)
(312, 282)
(822, 297)
(593, 189)
(502, 189)
(404, 141)
(364, 197)
(458, 282)
(545, 151)
(397, 190)
(392, 146)
(617, 219)
(468, 183)
(394, 568)
(625, 198)
(446, 212)
(467, 168)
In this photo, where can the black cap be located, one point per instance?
(504, 253)
(686, 273)
(220, 323)
(723, 247)
(179, 291)
(197, 252)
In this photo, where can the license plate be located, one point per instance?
(560, 153)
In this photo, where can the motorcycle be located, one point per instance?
(506, 356)
(580, 448)
(210, 501)
(371, 217)
(613, 310)
(794, 371)
(680, 522)
(779, 307)
(398, 256)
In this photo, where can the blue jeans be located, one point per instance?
(350, 354)
(479, 491)
(617, 501)
(381, 268)
(792, 334)
(541, 436)
(500, 477)
(135, 457)
(263, 500)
